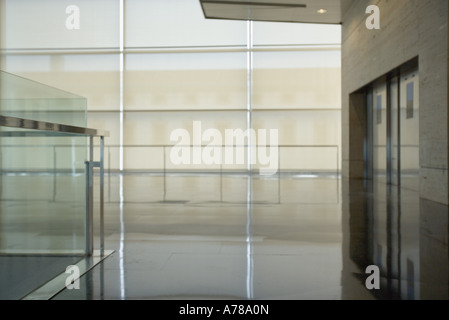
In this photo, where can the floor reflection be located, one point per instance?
(241, 237)
(405, 236)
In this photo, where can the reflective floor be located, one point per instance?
(241, 237)
(22, 274)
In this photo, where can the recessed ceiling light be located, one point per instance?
(322, 11)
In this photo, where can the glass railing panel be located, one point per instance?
(46, 211)
(43, 179)
(24, 98)
(43, 192)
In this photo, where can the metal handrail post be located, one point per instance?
(89, 209)
(102, 195)
(279, 175)
(165, 174)
(54, 173)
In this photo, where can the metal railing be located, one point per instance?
(48, 129)
(332, 165)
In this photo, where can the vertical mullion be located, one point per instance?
(249, 90)
(249, 247)
(122, 224)
(122, 67)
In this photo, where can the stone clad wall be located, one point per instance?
(409, 28)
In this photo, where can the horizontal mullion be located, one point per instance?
(159, 50)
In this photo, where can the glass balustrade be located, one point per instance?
(46, 184)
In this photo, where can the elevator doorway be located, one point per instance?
(393, 130)
(392, 167)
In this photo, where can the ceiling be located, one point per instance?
(305, 11)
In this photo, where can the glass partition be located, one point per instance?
(24, 98)
(42, 173)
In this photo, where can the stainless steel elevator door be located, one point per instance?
(409, 131)
(394, 138)
(379, 118)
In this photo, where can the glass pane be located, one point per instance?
(266, 33)
(28, 99)
(94, 76)
(309, 139)
(146, 131)
(110, 122)
(297, 80)
(52, 24)
(178, 23)
(49, 220)
(34, 219)
(185, 81)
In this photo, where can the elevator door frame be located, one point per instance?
(392, 78)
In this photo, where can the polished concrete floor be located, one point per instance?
(249, 237)
(22, 274)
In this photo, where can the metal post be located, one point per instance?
(338, 175)
(279, 174)
(165, 176)
(338, 161)
(109, 174)
(54, 173)
(91, 148)
(89, 209)
(89, 282)
(90, 217)
(86, 219)
(1, 174)
(102, 281)
(102, 195)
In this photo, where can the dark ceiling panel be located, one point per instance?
(305, 11)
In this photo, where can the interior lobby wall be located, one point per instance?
(409, 29)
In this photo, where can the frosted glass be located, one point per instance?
(154, 128)
(94, 76)
(41, 24)
(298, 79)
(174, 23)
(141, 128)
(320, 127)
(185, 81)
(24, 98)
(268, 33)
(108, 121)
